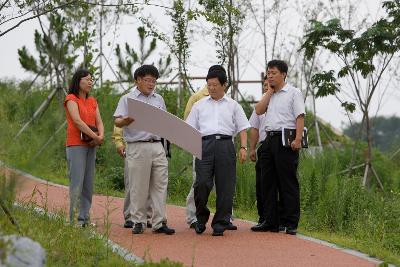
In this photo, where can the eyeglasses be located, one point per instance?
(87, 79)
(150, 81)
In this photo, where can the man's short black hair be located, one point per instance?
(217, 74)
(216, 68)
(279, 64)
(146, 70)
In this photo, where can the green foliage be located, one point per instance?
(171, 100)
(54, 49)
(227, 20)
(326, 83)
(70, 30)
(336, 203)
(356, 51)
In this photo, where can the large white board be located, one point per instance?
(157, 121)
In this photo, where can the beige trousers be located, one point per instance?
(127, 200)
(147, 173)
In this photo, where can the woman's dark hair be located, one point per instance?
(279, 64)
(76, 78)
(146, 70)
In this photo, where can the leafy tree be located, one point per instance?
(227, 19)
(133, 59)
(364, 56)
(56, 53)
(180, 45)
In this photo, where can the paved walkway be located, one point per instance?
(235, 248)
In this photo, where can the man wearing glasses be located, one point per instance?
(145, 160)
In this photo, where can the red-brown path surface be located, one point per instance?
(235, 248)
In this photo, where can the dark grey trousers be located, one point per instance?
(219, 162)
(81, 168)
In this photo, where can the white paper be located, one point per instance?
(159, 122)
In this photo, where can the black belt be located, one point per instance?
(216, 136)
(274, 133)
(146, 141)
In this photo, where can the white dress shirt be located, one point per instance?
(132, 135)
(224, 116)
(283, 109)
(257, 122)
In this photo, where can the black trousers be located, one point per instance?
(279, 176)
(260, 201)
(219, 162)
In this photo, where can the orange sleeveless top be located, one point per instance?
(87, 111)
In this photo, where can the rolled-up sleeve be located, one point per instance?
(254, 120)
(241, 121)
(192, 118)
(298, 104)
(122, 108)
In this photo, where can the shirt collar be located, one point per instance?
(286, 87)
(136, 92)
(224, 98)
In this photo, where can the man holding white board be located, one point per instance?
(147, 165)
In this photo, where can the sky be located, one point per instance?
(203, 54)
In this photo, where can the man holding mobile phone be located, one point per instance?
(283, 107)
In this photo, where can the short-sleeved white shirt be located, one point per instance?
(283, 109)
(224, 116)
(257, 122)
(132, 135)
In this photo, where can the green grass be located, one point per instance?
(345, 241)
(65, 245)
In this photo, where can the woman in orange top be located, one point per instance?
(85, 131)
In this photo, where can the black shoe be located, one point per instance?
(193, 225)
(199, 228)
(230, 226)
(128, 224)
(218, 232)
(148, 225)
(291, 230)
(138, 229)
(264, 227)
(165, 230)
(282, 229)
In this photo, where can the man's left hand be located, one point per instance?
(242, 155)
(296, 145)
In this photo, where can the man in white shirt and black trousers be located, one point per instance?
(257, 138)
(284, 108)
(218, 118)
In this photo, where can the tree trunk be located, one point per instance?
(367, 179)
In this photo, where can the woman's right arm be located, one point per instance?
(76, 118)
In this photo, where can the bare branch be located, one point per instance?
(127, 4)
(4, 4)
(38, 15)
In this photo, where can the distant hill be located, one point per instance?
(385, 133)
